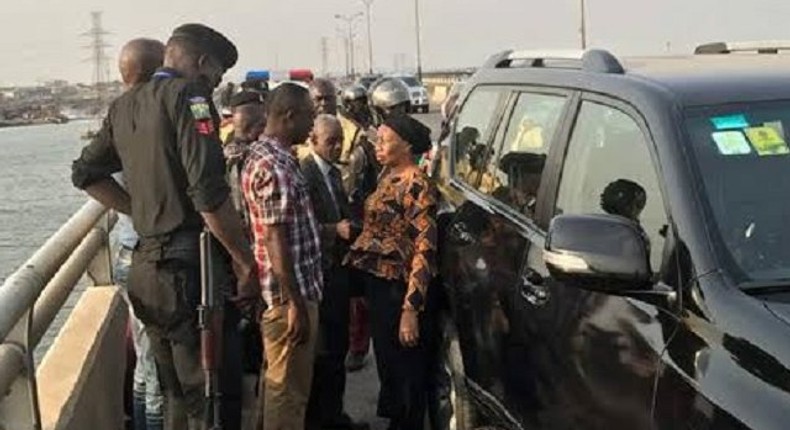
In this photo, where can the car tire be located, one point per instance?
(426, 109)
(457, 411)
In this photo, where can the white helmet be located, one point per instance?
(388, 93)
(354, 92)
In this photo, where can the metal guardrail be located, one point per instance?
(32, 296)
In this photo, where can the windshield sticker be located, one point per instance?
(730, 122)
(731, 142)
(767, 141)
(777, 125)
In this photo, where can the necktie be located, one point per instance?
(334, 181)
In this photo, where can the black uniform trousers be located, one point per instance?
(164, 288)
(403, 372)
(325, 407)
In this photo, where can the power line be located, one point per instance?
(101, 71)
(368, 4)
(583, 23)
(350, 20)
(324, 56)
(417, 29)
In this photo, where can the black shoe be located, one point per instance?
(356, 362)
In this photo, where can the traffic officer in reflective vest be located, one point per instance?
(163, 134)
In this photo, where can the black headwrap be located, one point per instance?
(412, 131)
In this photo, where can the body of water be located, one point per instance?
(36, 195)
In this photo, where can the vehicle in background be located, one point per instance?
(367, 80)
(417, 92)
(613, 241)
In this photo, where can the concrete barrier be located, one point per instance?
(437, 93)
(81, 378)
(438, 84)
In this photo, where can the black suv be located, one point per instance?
(615, 242)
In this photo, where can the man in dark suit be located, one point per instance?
(330, 202)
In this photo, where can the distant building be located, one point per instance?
(34, 93)
(8, 93)
(57, 84)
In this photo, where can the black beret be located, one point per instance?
(214, 43)
(245, 98)
(412, 131)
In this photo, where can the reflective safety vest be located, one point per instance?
(225, 130)
(351, 131)
(302, 151)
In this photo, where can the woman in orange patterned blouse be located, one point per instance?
(396, 252)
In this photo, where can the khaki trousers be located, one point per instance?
(289, 371)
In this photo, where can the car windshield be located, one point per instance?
(366, 81)
(743, 159)
(411, 82)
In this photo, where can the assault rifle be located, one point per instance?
(210, 322)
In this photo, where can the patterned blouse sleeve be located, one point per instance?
(420, 202)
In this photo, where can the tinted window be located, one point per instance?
(608, 170)
(365, 82)
(743, 158)
(513, 173)
(472, 131)
(411, 82)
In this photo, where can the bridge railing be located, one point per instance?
(32, 296)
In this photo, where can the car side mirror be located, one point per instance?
(598, 252)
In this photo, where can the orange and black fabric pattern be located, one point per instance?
(398, 239)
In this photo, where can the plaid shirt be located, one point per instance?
(277, 193)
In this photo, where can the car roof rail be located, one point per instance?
(759, 46)
(592, 60)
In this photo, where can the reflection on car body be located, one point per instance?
(614, 251)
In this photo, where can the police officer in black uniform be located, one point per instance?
(163, 134)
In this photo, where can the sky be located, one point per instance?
(40, 39)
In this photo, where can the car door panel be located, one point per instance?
(487, 244)
(597, 356)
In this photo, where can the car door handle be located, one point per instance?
(532, 290)
(460, 233)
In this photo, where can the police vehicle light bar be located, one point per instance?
(261, 75)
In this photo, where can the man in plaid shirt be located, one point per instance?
(287, 251)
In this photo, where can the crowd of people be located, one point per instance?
(327, 227)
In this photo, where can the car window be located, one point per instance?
(608, 170)
(411, 82)
(514, 170)
(472, 131)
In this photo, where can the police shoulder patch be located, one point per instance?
(200, 108)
